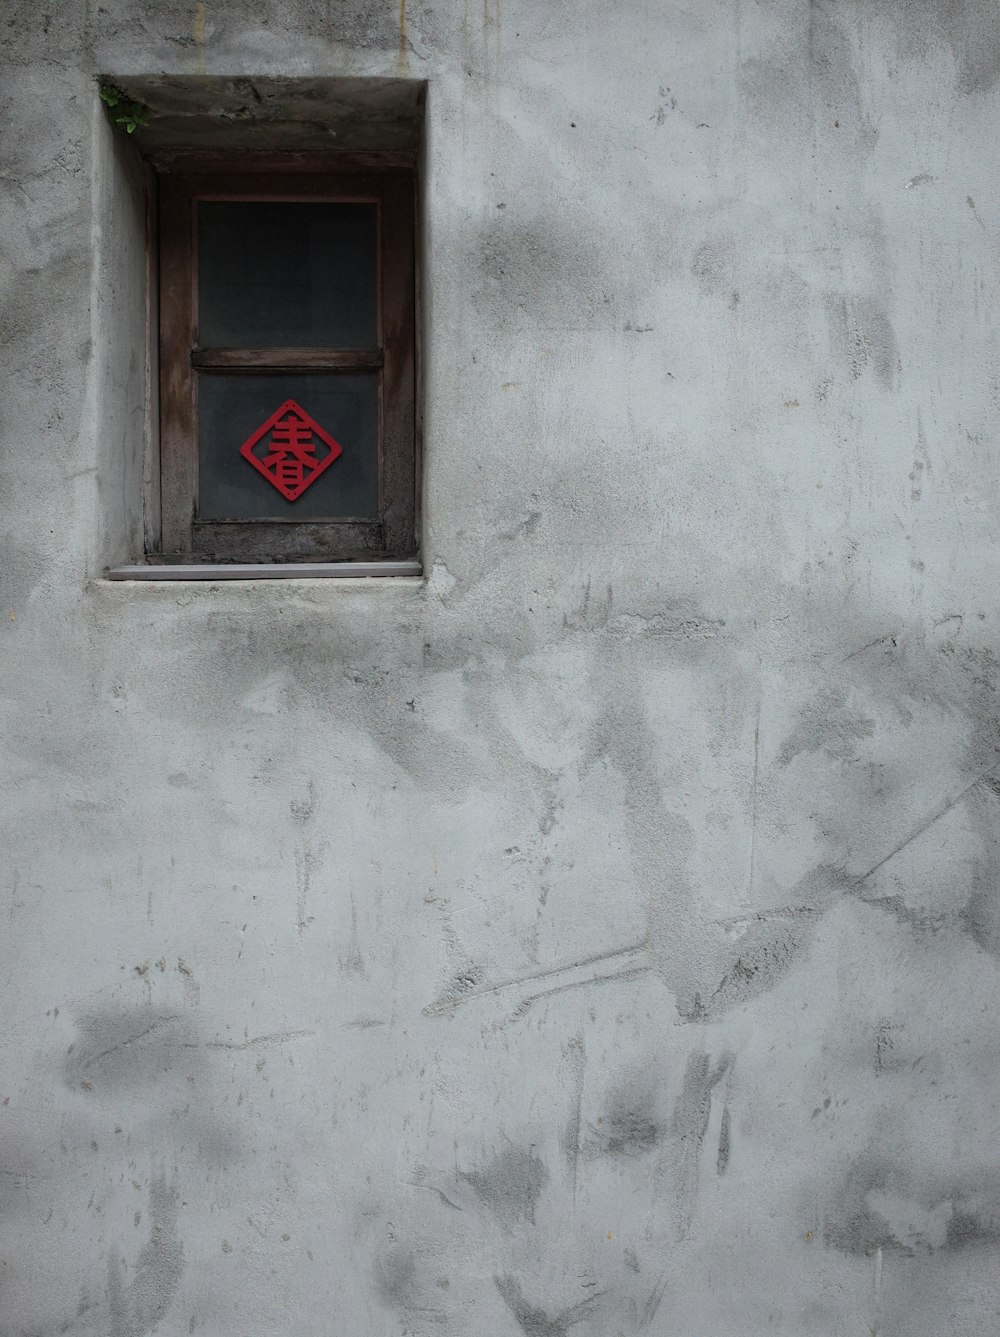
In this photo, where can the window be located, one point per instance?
(287, 359)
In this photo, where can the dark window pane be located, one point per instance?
(286, 275)
(232, 408)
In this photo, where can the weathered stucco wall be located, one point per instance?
(601, 938)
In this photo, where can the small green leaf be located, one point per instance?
(129, 114)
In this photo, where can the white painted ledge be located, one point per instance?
(267, 571)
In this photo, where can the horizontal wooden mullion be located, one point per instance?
(287, 359)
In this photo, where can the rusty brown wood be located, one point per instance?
(257, 541)
(151, 527)
(177, 381)
(287, 359)
(398, 403)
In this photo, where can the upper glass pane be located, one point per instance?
(278, 274)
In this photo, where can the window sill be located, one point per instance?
(267, 571)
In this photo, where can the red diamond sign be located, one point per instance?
(291, 450)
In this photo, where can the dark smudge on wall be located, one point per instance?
(509, 1185)
(140, 1299)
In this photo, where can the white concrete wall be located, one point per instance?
(601, 938)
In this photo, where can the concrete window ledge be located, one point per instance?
(267, 571)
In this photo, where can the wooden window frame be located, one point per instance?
(385, 179)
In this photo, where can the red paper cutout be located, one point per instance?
(291, 439)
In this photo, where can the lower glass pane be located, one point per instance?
(287, 447)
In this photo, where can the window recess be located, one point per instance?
(287, 359)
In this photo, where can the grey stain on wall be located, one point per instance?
(725, 1134)
(509, 1185)
(714, 265)
(575, 1053)
(405, 1286)
(809, 83)
(631, 1124)
(556, 278)
(889, 1204)
(968, 27)
(537, 1322)
(827, 724)
(128, 1047)
(863, 338)
(138, 1305)
(769, 948)
(396, 1277)
(708, 971)
(981, 916)
(688, 1128)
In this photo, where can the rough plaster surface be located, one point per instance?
(602, 938)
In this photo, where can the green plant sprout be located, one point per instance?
(124, 111)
